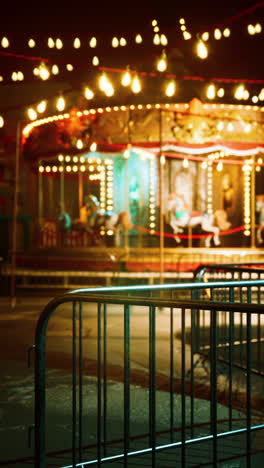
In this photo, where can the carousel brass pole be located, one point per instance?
(253, 203)
(80, 190)
(14, 220)
(40, 195)
(126, 178)
(161, 176)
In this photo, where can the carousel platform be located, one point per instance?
(66, 268)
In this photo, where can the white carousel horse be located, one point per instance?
(180, 217)
(260, 209)
(96, 219)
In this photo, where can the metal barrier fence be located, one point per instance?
(167, 410)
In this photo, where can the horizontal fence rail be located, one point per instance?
(189, 384)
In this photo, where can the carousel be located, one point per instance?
(162, 186)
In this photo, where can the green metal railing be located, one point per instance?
(100, 437)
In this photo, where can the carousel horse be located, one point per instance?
(260, 209)
(179, 218)
(96, 219)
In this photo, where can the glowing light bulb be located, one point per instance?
(31, 43)
(93, 42)
(186, 35)
(210, 92)
(221, 92)
(41, 107)
(79, 144)
(102, 82)
(217, 34)
(170, 89)
(185, 163)
(162, 63)
(115, 42)
(1, 78)
(51, 43)
(126, 78)
(5, 42)
(123, 42)
(32, 114)
(219, 166)
(258, 28)
(163, 40)
(109, 89)
(93, 147)
(55, 69)
(255, 99)
(88, 93)
(202, 50)
(44, 73)
(36, 71)
(2, 122)
(246, 95)
(182, 21)
(59, 43)
(154, 22)
(251, 29)
(60, 104)
(138, 39)
(226, 32)
(156, 39)
(205, 36)
(76, 43)
(135, 85)
(156, 29)
(69, 67)
(239, 92)
(95, 61)
(14, 76)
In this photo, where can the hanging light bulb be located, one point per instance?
(44, 73)
(76, 43)
(5, 42)
(55, 69)
(95, 61)
(170, 88)
(226, 32)
(41, 107)
(135, 85)
(109, 89)
(51, 43)
(239, 92)
(31, 43)
(36, 71)
(60, 104)
(251, 29)
(246, 95)
(1, 78)
(102, 82)
(154, 23)
(221, 92)
(202, 50)
(93, 146)
(258, 28)
(138, 39)
(182, 21)
(79, 144)
(185, 163)
(59, 43)
(115, 42)
(156, 29)
(217, 34)
(93, 42)
(205, 36)
(126, 78)
(2, 122)
(20, 76)
(156, 39)
(69, 67)
(183, 27)
(123, 42)
(88, 93)
(210, 92)
(186, 35)
(163, 40)
(219, 166)
(14, 76)
(162, 62)
(32, 114)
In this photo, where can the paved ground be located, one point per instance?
(17, 328)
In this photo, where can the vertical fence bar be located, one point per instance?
(213, 382)
(231, 358)
(80, 380)
(183, 390)
(171, 375)
(99, 377)
(74, 400)
(105, 378)
(249, 363)
(126, 381)
(192, 372)
(152, 382)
